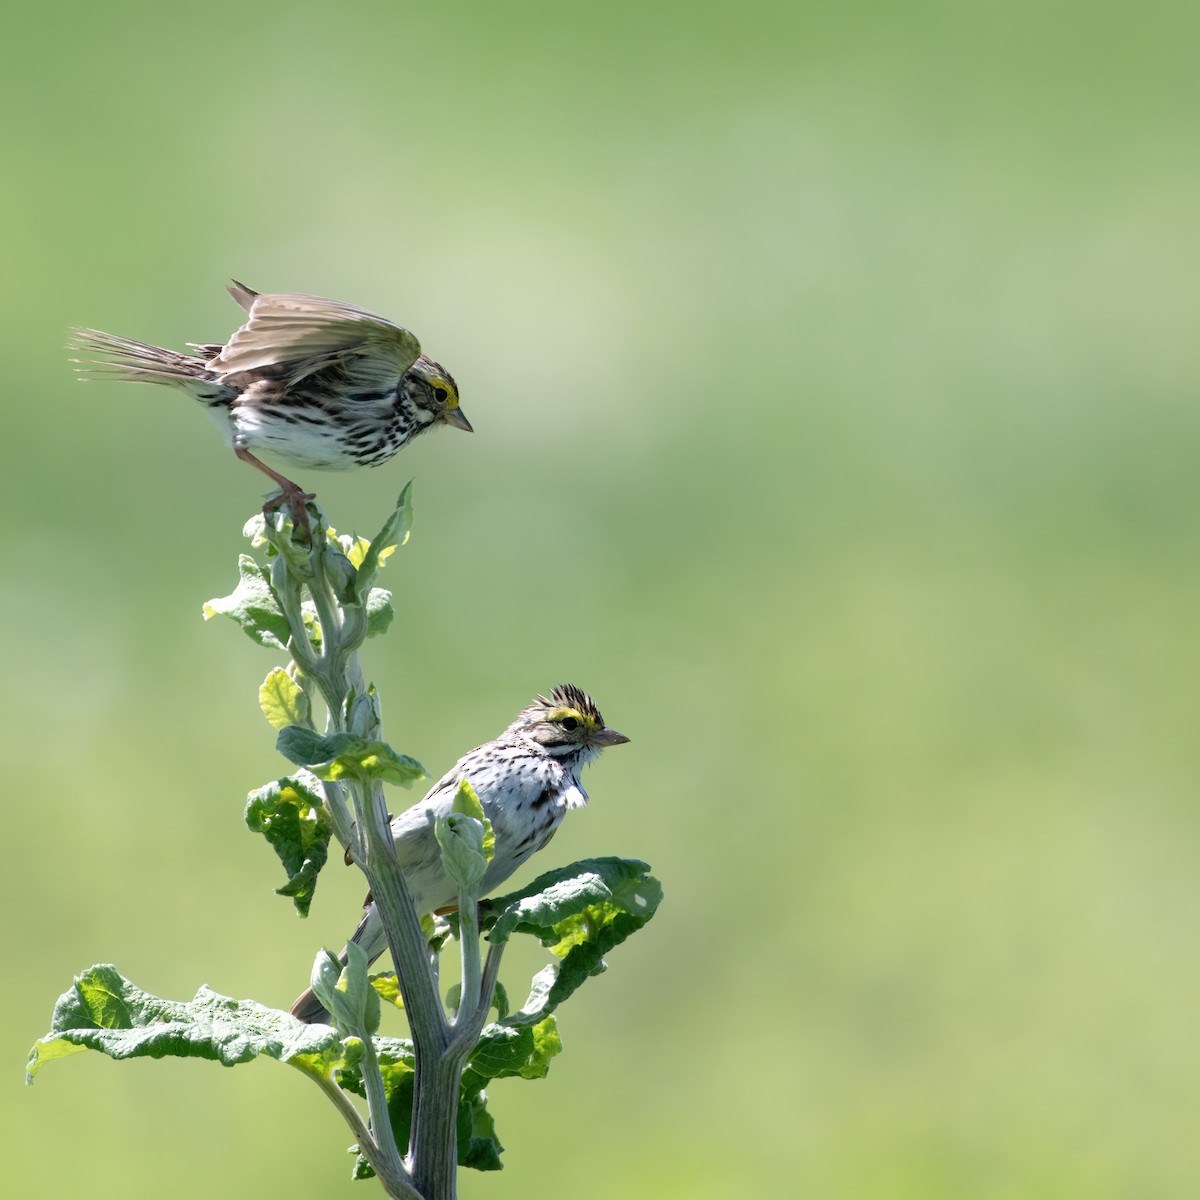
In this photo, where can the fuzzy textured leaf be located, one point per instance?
(380, 612)
(283, 701)
(290, 814)
(581, 912)
(506, 1051)
(478, 1145)
(467, 803)
(460, 839)
(254, 606)
(346, 756)
(346, 992)
(387, 987)
(104, 1011)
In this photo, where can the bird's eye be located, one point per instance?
(440, 394)
(570, 723)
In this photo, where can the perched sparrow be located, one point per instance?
(525, 780)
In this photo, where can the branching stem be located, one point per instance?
(439, 1051)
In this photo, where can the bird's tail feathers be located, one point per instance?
(138, 362)
(371, 936)
(309, 1009)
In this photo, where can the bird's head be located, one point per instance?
(567, 722)
(431, 390)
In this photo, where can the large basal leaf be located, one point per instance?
(104, 1011)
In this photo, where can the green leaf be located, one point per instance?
(105, 1012)
(503, 1051)
(346, 756)
(387, 985)
(254, 606)
(341, 575)
(394, 533)
(467, 803)
(478, 1145)
(305, 746)
(353, 547)
(290, 814)
(438, 930)
(379, 611)
(283, 701)
(361, 709)
(507, 1051)
(461, 841)
(581, 912)
(345, 990)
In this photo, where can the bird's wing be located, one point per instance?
(291, 337)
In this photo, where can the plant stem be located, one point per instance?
(439, 1052)
(395, 1179)
(468, 933)
(390, 1165)
(405, 939)
(434, 1156)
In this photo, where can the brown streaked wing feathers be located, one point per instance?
(296, 335)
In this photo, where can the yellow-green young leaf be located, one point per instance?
(388, 987)
(361, 546)
(467, 803)
(283, 701)
(461, 841)
(355, 548)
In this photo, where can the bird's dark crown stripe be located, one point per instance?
(568, 696)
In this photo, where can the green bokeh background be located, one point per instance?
(834, 375)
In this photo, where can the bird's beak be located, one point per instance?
(607, 737)
(454, 416)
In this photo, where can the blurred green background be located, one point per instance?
(834, 375)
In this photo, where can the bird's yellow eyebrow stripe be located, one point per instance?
(559, 713)
(451, 391)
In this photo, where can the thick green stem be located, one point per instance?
(434, 1157)
(439, 1051)
(405, 940)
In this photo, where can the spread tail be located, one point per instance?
(122, 358)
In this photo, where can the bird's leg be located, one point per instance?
(290, 493)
